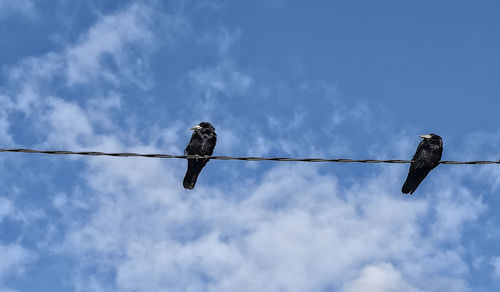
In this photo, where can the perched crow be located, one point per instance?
(426, 158)
(202, 143)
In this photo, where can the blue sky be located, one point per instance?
(275, 77)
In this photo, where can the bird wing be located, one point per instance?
(421, 157)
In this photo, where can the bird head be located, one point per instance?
(203, 125)
(431, 136)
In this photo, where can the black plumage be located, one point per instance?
(426, 158)
(202, 143)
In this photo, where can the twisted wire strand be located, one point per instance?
(249, 158)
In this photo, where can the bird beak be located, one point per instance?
(425, 136)
(197, 127)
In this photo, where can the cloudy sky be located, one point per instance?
(276, 78)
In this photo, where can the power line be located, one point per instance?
(250, 158)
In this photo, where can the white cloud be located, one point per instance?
(224, 78)
(379, 278)
(105, 42)
(67, 120)
(5, 105)
(495, 261)
(295, 230)
(114, 51)
(455, 206)
(14, 261)
(18, 7)
(6, 208)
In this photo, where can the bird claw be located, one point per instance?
(196, 157)
(206, 157)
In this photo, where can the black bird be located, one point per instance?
(202, 143)
(426, 158)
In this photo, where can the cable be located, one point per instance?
(125, 154)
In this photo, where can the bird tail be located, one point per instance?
(194, 169)
(413, 181)
(408, 186)
(190, 179)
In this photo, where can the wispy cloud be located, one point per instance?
(223, 79)
(495, 261)
(114, 50)
(14, 262)
(6, 208)
(101, 52)
(222, 38)
(24, 8)
(6, 106)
